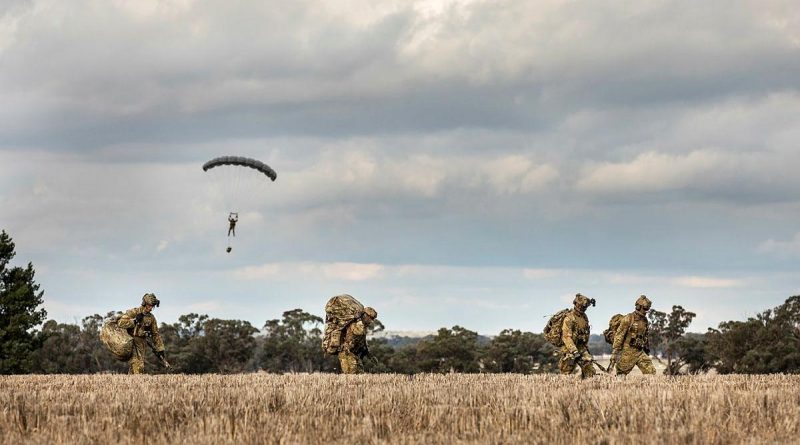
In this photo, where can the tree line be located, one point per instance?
(196, 344)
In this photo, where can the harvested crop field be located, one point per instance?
(434, 409)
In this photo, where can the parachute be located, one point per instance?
(116, 339)
(240, 182)
(243, 162)
(340, 311)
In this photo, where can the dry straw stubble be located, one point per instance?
(265, 408)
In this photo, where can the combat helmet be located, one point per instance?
(643, 303)
(372, 313)
(583, 301)
(150, 299)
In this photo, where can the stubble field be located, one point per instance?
(432, 409)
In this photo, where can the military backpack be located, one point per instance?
(340, 312)
(552, 332)
(613, 325)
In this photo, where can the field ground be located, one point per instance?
(433, 409)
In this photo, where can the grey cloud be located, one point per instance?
(257, 70)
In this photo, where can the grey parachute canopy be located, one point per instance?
(241, 161)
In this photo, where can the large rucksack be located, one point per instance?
(613, 325)
(340, 311)
(552, 332)
(117, 339)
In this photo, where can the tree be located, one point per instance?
(520, 352)
(449, 350)
(179, 341)
(690, 351)
(766, 343)
(198, 344)
(666, 330)
(71, 349)
(19, 299)
(293, 344)
(227, 344)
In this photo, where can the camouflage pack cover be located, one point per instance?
(117, 340)
(552, 332)
(613, 325)
(340, 311)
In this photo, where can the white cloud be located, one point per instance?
(788, 248)
(344, 271)
(352, 271)
(707, 282)
(651, 172)
(518, 174)
(701, 282)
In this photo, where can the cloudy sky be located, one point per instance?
(448, 162)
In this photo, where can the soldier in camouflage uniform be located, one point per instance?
(575, 335)
(631, 343)
(354, 346)
(142, 326)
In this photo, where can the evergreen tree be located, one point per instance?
(19, 299)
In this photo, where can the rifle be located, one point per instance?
(375, 360)
(601, 366)
(158, 354)
(148, 338)
(577, 358)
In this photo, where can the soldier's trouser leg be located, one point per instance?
(350, 363)
(567, 365)
(137, 360)
(631, 357)
(645, 364)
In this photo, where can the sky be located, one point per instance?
(448, 162)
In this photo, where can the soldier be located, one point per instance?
(631, 343)
(575, 335)
(142, 326)
(354, 346)
(233, 218)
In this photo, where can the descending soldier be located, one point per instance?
(354, 346)
(142, 326)
(233, 218)
(575, 336)
(631, 343)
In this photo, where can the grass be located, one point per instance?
(435, 409)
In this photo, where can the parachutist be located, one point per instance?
(233, 218)
(228, 249)
(235, 173)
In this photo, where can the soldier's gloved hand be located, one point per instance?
(576, 355)
(139, 318)
(647, 351)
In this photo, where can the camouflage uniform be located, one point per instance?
(631, 342)
(575, 335)
(147, 328)
(354, 346)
